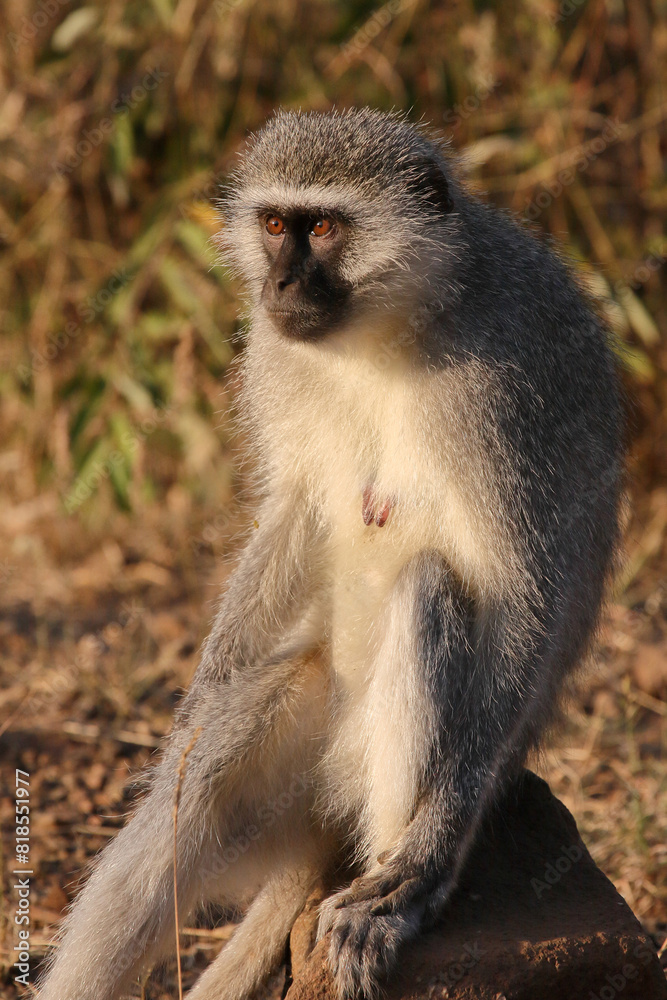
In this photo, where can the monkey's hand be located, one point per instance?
(368, 922)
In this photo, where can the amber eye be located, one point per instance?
(321, 227)
(275, 226)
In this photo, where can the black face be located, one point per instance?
(303, 292)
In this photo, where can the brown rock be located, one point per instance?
(304, 933)
(533, 919)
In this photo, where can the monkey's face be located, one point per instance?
(304, 291)
(340, 222)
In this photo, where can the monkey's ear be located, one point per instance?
(427, 179)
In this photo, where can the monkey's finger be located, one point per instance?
(339, 936)
(400, 897)
(360, 891)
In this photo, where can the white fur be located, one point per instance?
(281, 196)
(345, 414)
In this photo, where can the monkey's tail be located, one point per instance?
(258, 944)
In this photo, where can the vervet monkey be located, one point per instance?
(435, 413)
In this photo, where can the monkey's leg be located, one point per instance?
(286, 841)
(258, 945)
(286, 857)
(123, 920)
(456, 706)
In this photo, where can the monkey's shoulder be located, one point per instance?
(521, 299)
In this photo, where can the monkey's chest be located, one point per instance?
(372, 539)
(375, 485)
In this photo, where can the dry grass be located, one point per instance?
(119, 492)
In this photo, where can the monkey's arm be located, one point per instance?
(478, 681)
(269, 587)
(124, 918)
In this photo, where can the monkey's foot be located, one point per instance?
(368, 922)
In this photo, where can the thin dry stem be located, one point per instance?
(177, 799)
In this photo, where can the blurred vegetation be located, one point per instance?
(119, 120)
(118, 487)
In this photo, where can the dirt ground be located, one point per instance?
(99, 634)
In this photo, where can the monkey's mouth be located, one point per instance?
(300, 323)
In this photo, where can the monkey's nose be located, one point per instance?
(285, 281)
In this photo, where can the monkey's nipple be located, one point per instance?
(374, 510)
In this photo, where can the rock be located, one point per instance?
(533, 919)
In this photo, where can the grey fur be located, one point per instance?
(396, 675)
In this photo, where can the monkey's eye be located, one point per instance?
(321, 227)
(275, 226)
